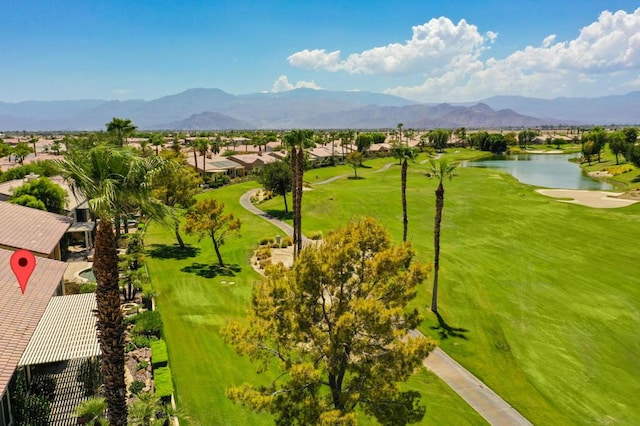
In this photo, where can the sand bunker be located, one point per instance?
(596, 199)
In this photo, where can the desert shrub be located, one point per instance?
(264, 263)
(263, 253)
(162, 380)
(142, 365)
(264, 241)
(159, 355)
(286, 241)
(136, 387)
(274, 245)
(314, 235)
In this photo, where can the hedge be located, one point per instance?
(159, 357)
(162, 380)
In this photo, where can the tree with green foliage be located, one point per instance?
(5, 149)
(120, 129)
(438, 170)
(598, 138)
(630, 135)
(177, 187)
(112, 178)
(633, 154)
(297, 141)
(439, 138)
(461, 135)
(28, 201)
(355, 159)
(276, 177)
(399, 126)
(336, 327)
(364, 142)
(157, 141)
(479, 139)
(33, 141)
(53, 197)
(526, 137)
(56, 147)
(207, 218)
(21, 151)
(618, 144)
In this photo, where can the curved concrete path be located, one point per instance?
(479, 396)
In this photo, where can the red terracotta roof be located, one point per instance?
(31, 229)
(21, 313)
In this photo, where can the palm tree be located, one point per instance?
(439, 170)
(399, 126)
(297, 141)
(120, 128)
(107, 176)
(156, 140)
(407, 154)
(33, 141)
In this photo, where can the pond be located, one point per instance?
(545, 170)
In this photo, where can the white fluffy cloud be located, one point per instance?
(282, 84)
(604, 57)
(433, 45)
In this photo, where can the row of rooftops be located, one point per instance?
(39, 232)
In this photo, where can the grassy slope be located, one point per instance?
(547, 291)
(194, 308)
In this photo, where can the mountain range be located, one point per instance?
(214, 109)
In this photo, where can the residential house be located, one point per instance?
(35, 230)
(20, 315)
(252, 162)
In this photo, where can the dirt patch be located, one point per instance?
(595, 199)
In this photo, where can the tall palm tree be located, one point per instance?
(120, 128)
(407, 154)
(157, 140)
(107, 176)
(297, 141)
(439, 170)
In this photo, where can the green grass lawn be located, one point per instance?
(547, 292)
(194, 306)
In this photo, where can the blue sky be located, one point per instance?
(428, 50)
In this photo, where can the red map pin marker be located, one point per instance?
(23, 262)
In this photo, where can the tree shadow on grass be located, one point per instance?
(210, 271)
(279, 214)
(172, 251)
(355, 178)
(446, 331)
(636, 179)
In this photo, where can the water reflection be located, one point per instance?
(545, 170)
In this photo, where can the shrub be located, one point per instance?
(315, 235)
(264, 263)
(264, 241)
(148, 323)
(286, 241)
(38, 409)
(159, 356)
(90, 376)
(263, 253)
(142, 365)
(44, 385)
(88, 288)
(141, 341)
(162, 380)
(136, 387)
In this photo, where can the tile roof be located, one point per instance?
(21, 313)
(31, 229)
(66, 331)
